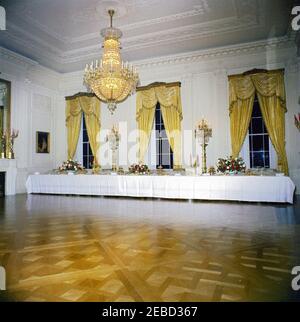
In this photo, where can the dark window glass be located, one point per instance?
(85, 137)
(266, 143)
(256, 109)
(86, 148)
(164, 153)
(258, 139)
(257, 126)
(257, 144)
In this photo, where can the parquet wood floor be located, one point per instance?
(59, 248)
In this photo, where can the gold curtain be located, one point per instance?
(73, 121)
(270, 90)
(145, 109)
(90, 106)
(271, 96)
(91, 109)
(242, 93)
(170, 103)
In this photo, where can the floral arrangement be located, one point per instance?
(231, 165)
(139, 169)
(71, 165)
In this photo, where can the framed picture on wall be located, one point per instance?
(42, 142)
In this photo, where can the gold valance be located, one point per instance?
(168, 96)
(267, 83)
(89, 105)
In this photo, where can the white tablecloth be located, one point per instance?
(242, 188)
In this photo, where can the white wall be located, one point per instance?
(204, 91)
(34, 91)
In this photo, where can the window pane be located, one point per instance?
(85, 149)
(157, 146)
(257, 142)
(165, 146)
(163, 134)
(265, 128)
(257, 126)
(85, 161)
(251, 160)
(166, 159)
(157, 160)
(256, 109)
(258, 159)
(85, 136)
(266, 142)
(157, 120)
(91, 160)
(267, 159)
(250, 142)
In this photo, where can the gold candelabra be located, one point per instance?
(7, 144)
(203, 133)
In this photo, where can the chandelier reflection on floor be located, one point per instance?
(111, 79)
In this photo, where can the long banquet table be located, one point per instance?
(238, 188)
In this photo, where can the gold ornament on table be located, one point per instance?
(111, 79)
(203, 133)
(96, 167)
(211, 170)
(113, 138)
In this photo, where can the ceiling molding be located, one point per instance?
(170, 36)
(173, 29)
(17, 59)
(248, 48)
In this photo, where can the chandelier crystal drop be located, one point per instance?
(111, 79)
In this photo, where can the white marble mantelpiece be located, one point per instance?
(9, 166)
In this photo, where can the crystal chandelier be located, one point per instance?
(111, 79)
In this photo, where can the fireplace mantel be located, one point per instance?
(9, 166)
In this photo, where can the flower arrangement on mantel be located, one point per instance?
(139, 169)
(71, 166)
(231, 165)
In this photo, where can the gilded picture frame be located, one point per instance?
(42, 142)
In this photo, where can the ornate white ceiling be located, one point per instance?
(65, 35)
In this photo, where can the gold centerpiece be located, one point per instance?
(111, 79)
(203, 133)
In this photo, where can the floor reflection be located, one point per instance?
(59, 248)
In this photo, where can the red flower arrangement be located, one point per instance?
(139, 169)
(231, 165)
(70, 165)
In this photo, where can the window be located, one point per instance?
(164, 153)
(87, 155)
(259, 144)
